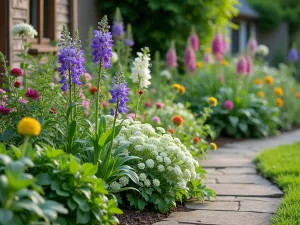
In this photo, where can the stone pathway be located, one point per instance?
(243, 196)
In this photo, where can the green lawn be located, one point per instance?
(282, 166)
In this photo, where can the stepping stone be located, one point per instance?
(206, 217)
(247, 190)
(228, 161)
(210, 181)
(225, 198)
(263, 205)
(213, 171)
(238, 179)
(241, 170)
(222, 206)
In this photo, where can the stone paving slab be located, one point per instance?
(238, 179)
(219, 218)
(265, 205)
(229, 161)
(239, 170)
(249, 190)
(217, 205)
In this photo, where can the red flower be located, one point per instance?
(177, 120)
(148, 104)
(53, 110)
(17, 84)
(16, 72)
(141, 92)
(105, 104)
(32, 94)
(171, 131)
(93, 90)
(196, 140)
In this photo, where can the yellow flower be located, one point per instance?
(258, 81)
(298, 95)
(182, 89)
(199, 65)
(212, 101)
(224, 62)
(213, 146)
(278, 91)
(269, 80)
(279, 102)
(29, 127)
(261, 94)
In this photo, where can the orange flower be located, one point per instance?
(278, 91)
(177, 120)
(171, 131)
(279, 102)
(260, 94)
(182, 89)
(224, 62)
(93, 90)
(179, 88)
(269, 80)
(298, 95)
(196, 140)
(258, 81)
(199, 65)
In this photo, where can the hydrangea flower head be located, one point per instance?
(140, 72)
(102, 44)
(24, 30)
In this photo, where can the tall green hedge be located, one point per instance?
(156, 22)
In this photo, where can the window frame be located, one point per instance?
(40, 23)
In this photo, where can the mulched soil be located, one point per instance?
(146, 217)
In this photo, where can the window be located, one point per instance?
(42, 19)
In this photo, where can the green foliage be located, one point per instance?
(21, 200)
(150, 19)
(281, 165)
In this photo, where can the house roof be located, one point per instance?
(246, 10)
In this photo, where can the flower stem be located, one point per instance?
(99, 89)
(24, 147)
(114, 130)
(70, 91)
(24, 60)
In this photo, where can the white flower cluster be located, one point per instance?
(262, 50)
(166, 73)
(140, 72)
(24, 30)
(163, 159)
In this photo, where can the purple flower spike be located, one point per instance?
(241, 66)
(189, 59)
(252, 45)
(119, 94)
(118, 30)
(194, 40)
(171, 58)
(102, 45)
(218, 45)
(293, 55)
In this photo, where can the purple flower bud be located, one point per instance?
(293, 55)
(189, 59)
(194, 40)
(118, 30)
(217, 45)
(228, 104)
(241, 66)
(171, 58)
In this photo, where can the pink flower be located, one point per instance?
(219, 57)
(228, 104)
(252, 45)
(4, 110)
(88, 77)
(4, 98)
(105, 104)
(189, 59)
(32, 94)
(194, 40)
(171, 58)
(52, 84)
(159, 105)
(131, 115)
(22, 100)
(148, 104)
(217, 45)
(86, 105)
(81, 95)
(207, 58)
(241, 66)
(13, 110)
(249, 65)
(153, 90)
(2, 91)
(16, 72)
(156, 119)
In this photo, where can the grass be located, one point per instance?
(282, 166)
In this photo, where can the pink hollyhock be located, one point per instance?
(189, 59)
(171, 58)
(217, 45)
(32, 94)
(156, 119)
(241, 66)
(194, 40)
(228, 104)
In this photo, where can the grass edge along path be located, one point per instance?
(282, 166)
